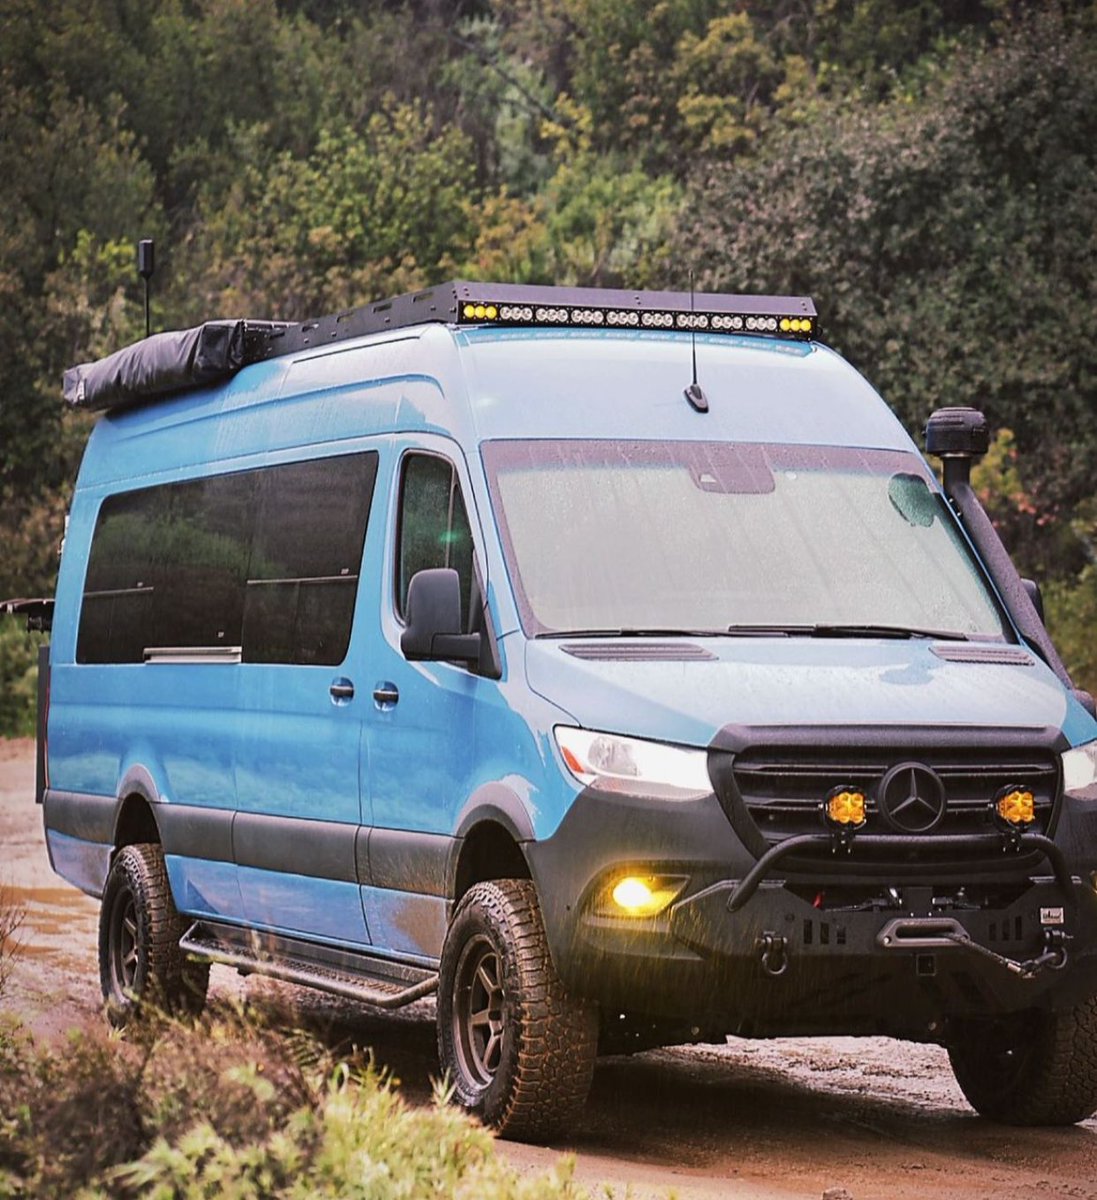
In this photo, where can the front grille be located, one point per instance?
(781, 787)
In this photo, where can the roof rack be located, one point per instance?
(167, 363)
(462, 302)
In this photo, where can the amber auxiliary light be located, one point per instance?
(845, 808)
(1015, 807)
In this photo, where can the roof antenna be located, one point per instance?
(694, 393)
(145, 268)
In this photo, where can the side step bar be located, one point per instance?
(363, 988)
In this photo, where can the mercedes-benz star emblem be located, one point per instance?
(911, 798)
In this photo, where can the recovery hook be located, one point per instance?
(774, 954)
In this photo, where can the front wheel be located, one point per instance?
(518, 1048)
(139, 930)
(1038, 1068)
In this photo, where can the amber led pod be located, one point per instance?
(845, 806)
(1016, 806)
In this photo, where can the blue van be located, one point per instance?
(610, 663)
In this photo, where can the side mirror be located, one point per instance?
(434, 619)
(1035, 595)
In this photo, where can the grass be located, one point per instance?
(11, 918)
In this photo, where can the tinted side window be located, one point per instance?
(117, 619)
(310, 525)
(266, 560)
(202, 562)
(434, 528)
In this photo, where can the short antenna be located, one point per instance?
(146, 264)
(694, 393)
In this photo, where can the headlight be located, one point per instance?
(1080, 772)
(629, 765)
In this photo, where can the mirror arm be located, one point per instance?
(463, 647)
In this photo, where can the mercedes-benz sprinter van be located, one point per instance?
(610, 663)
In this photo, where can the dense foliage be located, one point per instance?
(234, 1110)
(927, 171)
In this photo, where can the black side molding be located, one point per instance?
(41, 774)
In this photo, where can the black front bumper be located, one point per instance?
(791, 960)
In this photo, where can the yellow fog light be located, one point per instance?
(845, 806)
(642, 895)
(1016, 806)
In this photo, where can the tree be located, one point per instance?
(950, 241)
(72, 183)
(367, 213)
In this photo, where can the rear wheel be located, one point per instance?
(1039, 1068)
(518, 1048)
(139, 930)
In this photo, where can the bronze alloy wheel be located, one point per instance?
(479, 1012)
(123, 956)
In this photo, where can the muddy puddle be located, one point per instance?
(51, 920)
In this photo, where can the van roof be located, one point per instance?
(606, 384)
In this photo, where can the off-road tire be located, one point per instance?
(140, 963)
(518, 1049)
(1038, 1070)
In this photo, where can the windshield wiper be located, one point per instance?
(888, 631)
(819, 630)
(625, 631)
(846, 631)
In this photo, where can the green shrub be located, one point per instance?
(230, 1109)
(1071, 609)
(18, 678)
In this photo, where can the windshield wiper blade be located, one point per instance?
(819, 630)
(625, 631)
(846, 631)
(888, 631)
(770, 630)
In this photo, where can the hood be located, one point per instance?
(686, 690)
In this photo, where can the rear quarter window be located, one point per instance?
(264, 562)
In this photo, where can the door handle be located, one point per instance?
(342, 690)
(386, 695)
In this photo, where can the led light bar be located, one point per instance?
(520, 305)
(512, 305)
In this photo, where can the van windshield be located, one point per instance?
(637, 537)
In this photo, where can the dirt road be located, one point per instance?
(879, 1119)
